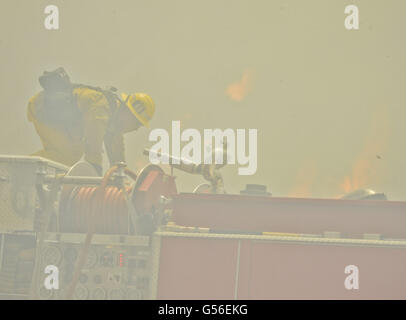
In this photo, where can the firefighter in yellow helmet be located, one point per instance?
(73, 121)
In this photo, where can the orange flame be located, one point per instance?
(364, 171)
(238, 90)
(361, 176)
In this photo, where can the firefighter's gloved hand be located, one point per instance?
(98, 169)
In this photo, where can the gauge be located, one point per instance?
(117, 294)
(107, 259)
(134, 294)
(61, 294)
(51, 255)
(83, 278)
(99, 294)
(81, 292)
(45, 294)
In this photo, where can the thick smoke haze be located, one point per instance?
(328, 103)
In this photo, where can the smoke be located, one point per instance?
(305, 179)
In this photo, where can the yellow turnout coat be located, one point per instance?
(86, 137)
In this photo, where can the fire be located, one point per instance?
(238, 90)
(365, 171)
(362, 175)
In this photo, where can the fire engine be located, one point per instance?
(132, 236)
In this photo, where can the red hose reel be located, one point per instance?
(105, 209)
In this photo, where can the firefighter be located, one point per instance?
(73, 121)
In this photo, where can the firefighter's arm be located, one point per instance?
(31, 108)
(114, 143)
(32, 118)
(95, 109)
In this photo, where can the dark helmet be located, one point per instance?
(56, 80)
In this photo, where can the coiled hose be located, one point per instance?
(96, 207)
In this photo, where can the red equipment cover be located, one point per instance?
(210, 268)
(239, 213)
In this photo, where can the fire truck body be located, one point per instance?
(224, 266)
(174, 245)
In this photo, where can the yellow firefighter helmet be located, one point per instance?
(141, 106)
